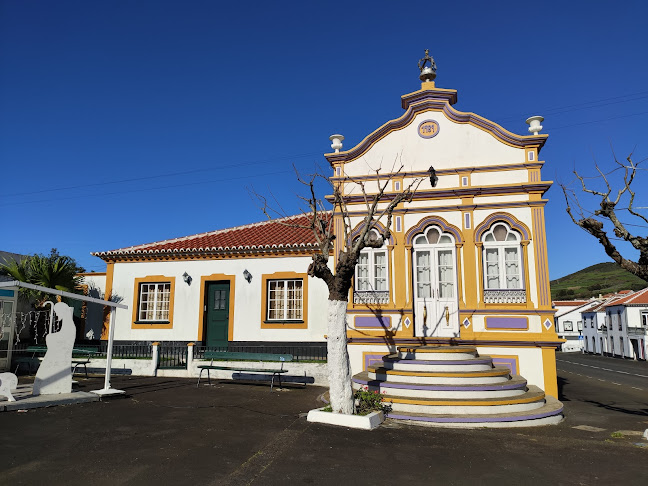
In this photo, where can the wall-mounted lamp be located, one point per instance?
(247, 276)
(433, 177)
(187, 278)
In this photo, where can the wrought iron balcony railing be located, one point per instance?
(517, 296)
(371, 297)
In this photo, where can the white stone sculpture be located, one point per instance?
(8, 382)
(55, 373)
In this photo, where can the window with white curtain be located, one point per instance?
(154, 302)
(371, 270)
(502, 258)
(285, 300)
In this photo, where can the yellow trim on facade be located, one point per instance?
(549, 371)
(513, 400)
(217, 277)
(415, 107)
(155, 279)
(497, 336)
(265, 324)
(540, 249)
(465, 170)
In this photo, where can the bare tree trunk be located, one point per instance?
(320, 222)
(339, 367)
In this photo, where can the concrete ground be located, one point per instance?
(167, 431)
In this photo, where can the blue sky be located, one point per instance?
(129, 122)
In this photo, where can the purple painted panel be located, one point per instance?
(510, 363)
(507, 323)
(383, 322)
(371, 359)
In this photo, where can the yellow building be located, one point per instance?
(467, 260)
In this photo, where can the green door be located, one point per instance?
(217, 314)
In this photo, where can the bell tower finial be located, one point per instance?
(428, 67)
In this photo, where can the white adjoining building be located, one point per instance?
(568, 323)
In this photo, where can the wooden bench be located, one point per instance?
(243, 366)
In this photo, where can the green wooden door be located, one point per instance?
(217, 314)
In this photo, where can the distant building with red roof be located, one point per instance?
(617, 325)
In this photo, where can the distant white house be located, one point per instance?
(568, 323)
(626, 325)
(593, 318)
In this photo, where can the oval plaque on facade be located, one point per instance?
(428, 129)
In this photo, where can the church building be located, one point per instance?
(466, 262)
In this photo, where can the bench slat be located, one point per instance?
(238, 368)
(227, 356)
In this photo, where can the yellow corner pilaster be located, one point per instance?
(549, 371)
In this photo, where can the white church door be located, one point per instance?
(435, 284)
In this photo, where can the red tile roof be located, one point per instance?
(283, 235)
(638, 298)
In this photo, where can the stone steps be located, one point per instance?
(492, 375)
(515, 386)
(549, 413)
(453, 386)
(476, 364)
(530, 400)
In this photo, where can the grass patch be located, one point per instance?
(602, 278)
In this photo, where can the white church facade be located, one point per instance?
(466, 262)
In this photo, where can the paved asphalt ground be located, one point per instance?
(166, 431)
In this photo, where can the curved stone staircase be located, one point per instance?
(454, 387)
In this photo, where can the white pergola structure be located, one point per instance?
(106, 390)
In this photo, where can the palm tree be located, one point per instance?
(53, 271)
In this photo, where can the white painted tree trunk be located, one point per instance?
(339, 367)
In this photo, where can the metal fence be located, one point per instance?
(172, 356)
(128, 351)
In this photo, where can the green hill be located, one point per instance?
(602, 278)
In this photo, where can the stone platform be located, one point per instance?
(25, 400)
(452, 386)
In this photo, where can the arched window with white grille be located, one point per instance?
(372, 275)
(503, 265)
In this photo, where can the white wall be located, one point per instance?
(247, 305)
(456, 145)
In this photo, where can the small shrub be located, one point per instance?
(370, 401)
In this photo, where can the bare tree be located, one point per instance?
(609, 201)
(379, 206)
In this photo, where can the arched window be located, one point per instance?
(371, 275)
(502, 258)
